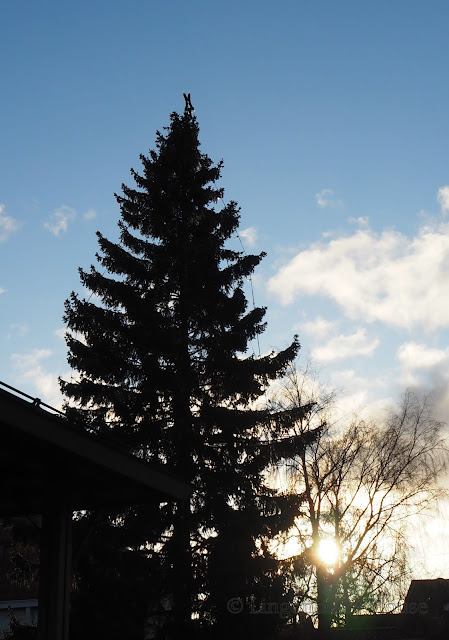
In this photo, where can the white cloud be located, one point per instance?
(420, 364)
(418, 356)
(324, 199)
(3, 290)
(8, 224)
(318, 328)
(358, 395)
(63, 331)
(385, 277)
(426, 369)
(60, 219)
(443, 198)
(90, 214)
(28, 370)
(341, 347)
(249, 235)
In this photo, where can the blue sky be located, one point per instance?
(332, 121)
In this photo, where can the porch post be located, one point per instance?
(55, 572)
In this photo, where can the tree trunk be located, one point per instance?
(183, 437)
(346, 602)
(324, 614)
(182, 573)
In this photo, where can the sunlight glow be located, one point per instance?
(289, 548)
(328, 551)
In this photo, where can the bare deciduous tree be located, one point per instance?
(362, 481)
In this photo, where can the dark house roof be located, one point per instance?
(49, 467)
(43, 459)
(427, 597)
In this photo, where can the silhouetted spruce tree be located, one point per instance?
(164, 370)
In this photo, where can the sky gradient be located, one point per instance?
(332, 121)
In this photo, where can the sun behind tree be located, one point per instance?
(328, 552)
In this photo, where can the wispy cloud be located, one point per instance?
(8, 224)
(249, 235)
(60, 219)
(443, 198)
(17, 329)
(29, 370)
(2, 290)
(388, 277)
(318, 328)
(362, 221)
(325, 199)
(90, 214)
(341, 347)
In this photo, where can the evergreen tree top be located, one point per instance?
(164, 364)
